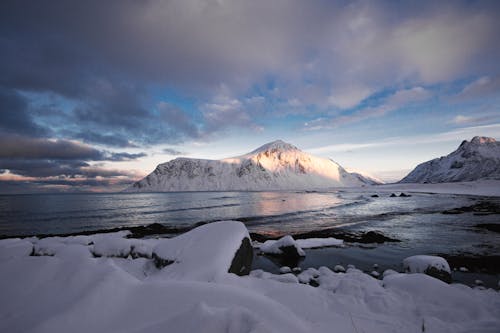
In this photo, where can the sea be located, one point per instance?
(417, 221)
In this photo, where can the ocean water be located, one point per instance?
(417, 220)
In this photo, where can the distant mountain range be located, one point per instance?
(474, 160)
(274, 166)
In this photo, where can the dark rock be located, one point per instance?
(489, 226)
(376, 237)
(438, 274)
(404, 195)
(393, 195)
(160, 262)
(489, 264)
(242, 261)
(351, 237)
(481, 208)
(374, 196)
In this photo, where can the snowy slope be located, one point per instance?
(274, 166)
(474, 160)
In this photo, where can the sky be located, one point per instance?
(94, 94)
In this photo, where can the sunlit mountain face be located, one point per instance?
(93, 96)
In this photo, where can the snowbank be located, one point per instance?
(68, 289)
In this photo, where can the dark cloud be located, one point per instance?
(22, 147)
(15, 115)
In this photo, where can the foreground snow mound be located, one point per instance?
(431, 265)
(206, 252)
(474, 160)
(67, 289)
(274, 166)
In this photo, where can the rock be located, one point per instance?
(285, 270)
(479, 283)
(393, 195)
(463, 269)
(376, 237)
(351, 266)
(388, 272)
(339, 269)
(375, 274)
(374, 196)
(296, 269)
(494, 227)
(286, 248)
(433, 266)
(404, 195)
(242, 261)
(206, 252)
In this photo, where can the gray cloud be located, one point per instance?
(15, 115)
(22, 147)
(173, 152)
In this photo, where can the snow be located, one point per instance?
(274, 166)
(275, 246)
(67, 289)
(474, 160)
(214, 243)
(420, 263)
(311, 243)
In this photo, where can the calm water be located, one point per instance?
(416, 220)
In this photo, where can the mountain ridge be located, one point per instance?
(472, 160)
(276, 165)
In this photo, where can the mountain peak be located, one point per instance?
(482, 140)
(278, 145)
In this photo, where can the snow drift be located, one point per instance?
(274, 166)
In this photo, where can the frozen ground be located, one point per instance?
(109, 283)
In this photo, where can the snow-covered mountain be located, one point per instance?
(474, 160)
(274, 166)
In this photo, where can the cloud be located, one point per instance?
(15, 114)
(397, 100)
(16, 146)
(321, 53)
(173, 152)
(485, 86)
(348, 97)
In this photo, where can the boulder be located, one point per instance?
(286, 248)
(433, 266)
(206, 252)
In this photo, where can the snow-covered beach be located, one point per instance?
(110, 283)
